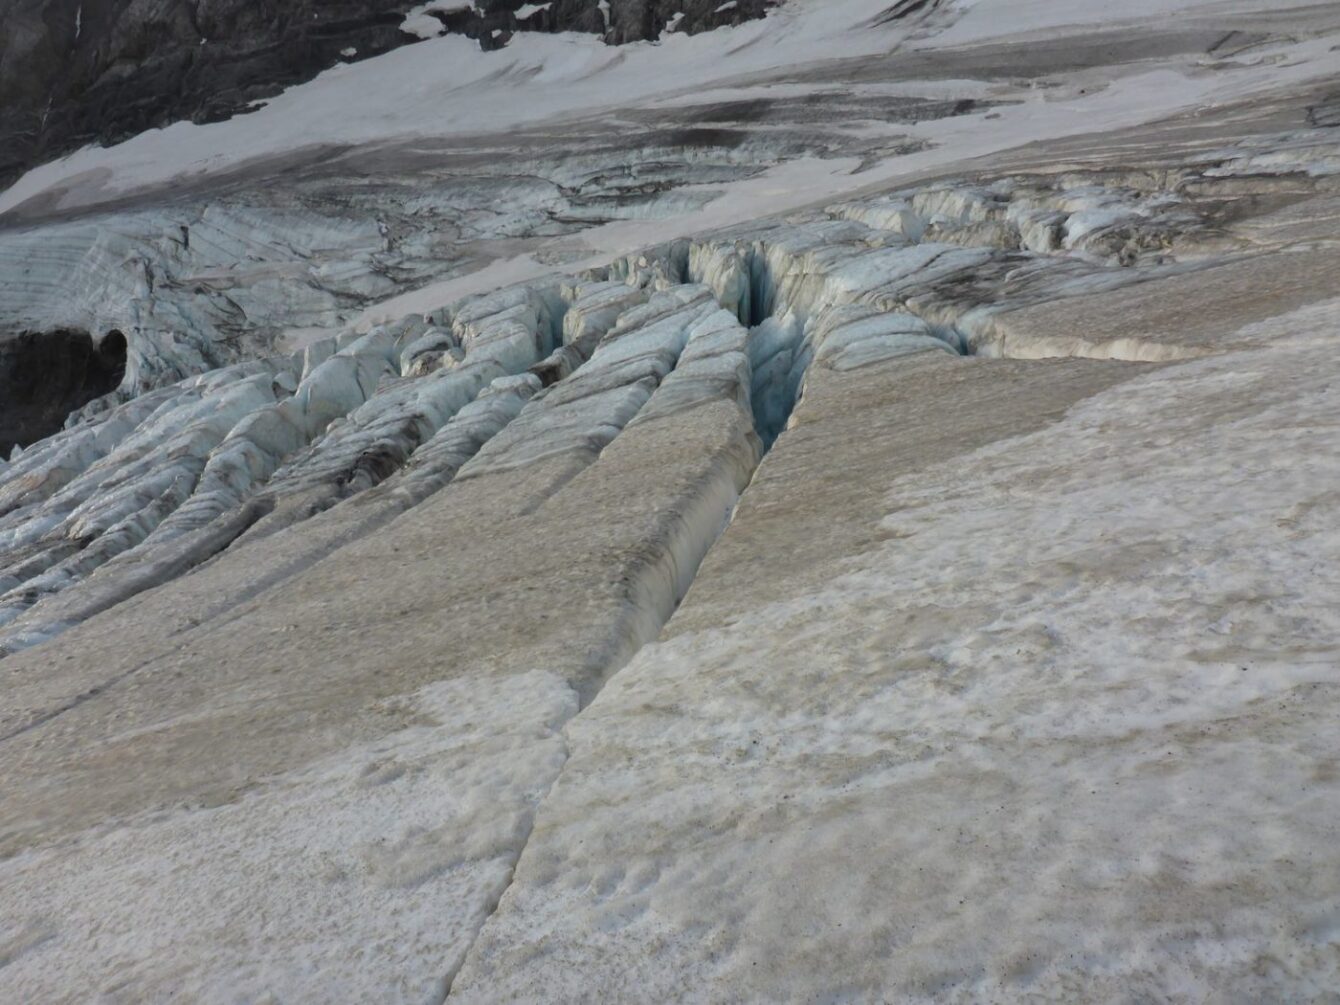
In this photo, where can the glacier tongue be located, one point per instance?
(256, 447)
(918, 589)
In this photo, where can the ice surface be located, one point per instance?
(1063, 728)
(852, 584)
(924, 269)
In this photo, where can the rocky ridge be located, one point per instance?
(74, 72)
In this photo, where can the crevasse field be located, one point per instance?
(839, 508)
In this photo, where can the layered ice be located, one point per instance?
(169, 479)
(717, 607)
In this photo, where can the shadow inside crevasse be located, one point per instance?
(44, 376)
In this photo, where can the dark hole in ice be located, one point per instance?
(112, 356)
(44, 376)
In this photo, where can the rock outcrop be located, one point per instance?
(74, 72)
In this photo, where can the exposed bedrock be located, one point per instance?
(79, 71)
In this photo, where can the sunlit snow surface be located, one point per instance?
(703, 549)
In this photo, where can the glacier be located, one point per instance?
(692, 522)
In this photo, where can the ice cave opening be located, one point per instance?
(44, 376)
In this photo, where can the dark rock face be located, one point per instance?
(74, 72)
(44, 376)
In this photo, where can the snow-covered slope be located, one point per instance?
(79, 71)
(838, 508)
(446, 87)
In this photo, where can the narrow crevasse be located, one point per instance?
(834, 293)
(754, 364)
(676, 366)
